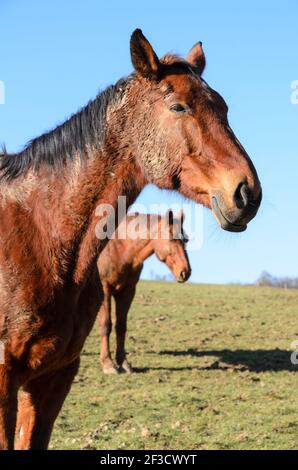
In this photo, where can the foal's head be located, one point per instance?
(170, 245)
(184, 140)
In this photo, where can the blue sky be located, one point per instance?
(56, 55)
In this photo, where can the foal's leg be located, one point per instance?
(8, 407)
(123, 302)
(39, 405)
(105, 328)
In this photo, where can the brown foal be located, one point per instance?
(120, 266)
(163, 125)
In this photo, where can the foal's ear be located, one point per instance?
(170, 217)
(196, 57)
(180, 216)
(143, 57)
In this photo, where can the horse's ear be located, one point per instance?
(196, 57)
(143, 57)
(180, 216)
(170, 217)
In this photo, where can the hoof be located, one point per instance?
(110, 369)
(126, 368)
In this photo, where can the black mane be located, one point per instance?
(54, 148)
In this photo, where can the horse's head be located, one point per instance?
(184, 138)
(170, 245)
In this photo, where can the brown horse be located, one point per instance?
(164, 125)
(120, 266)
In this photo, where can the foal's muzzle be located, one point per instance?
(183, 276)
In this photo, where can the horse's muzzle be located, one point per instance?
(183, 276)
(245, 208)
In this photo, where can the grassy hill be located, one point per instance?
(213, 371)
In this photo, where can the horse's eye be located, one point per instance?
(178, 108)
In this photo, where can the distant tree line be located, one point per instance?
(266, 279)
(161, 277)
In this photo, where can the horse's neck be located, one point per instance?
(143, 250)
(121, 179)
(145, 247)
(68, 210)
(61, 204)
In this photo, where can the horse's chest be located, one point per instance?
(129, 276)
(62, 336)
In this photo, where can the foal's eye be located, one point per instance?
(178, 108)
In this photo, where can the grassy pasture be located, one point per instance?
(213, 371)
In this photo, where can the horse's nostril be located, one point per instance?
(182, 276)
(242, 195)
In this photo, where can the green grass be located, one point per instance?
(213, 371)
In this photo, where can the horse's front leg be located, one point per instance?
(123, 302)
(8, 407)
(105, 328)
(39, 406)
